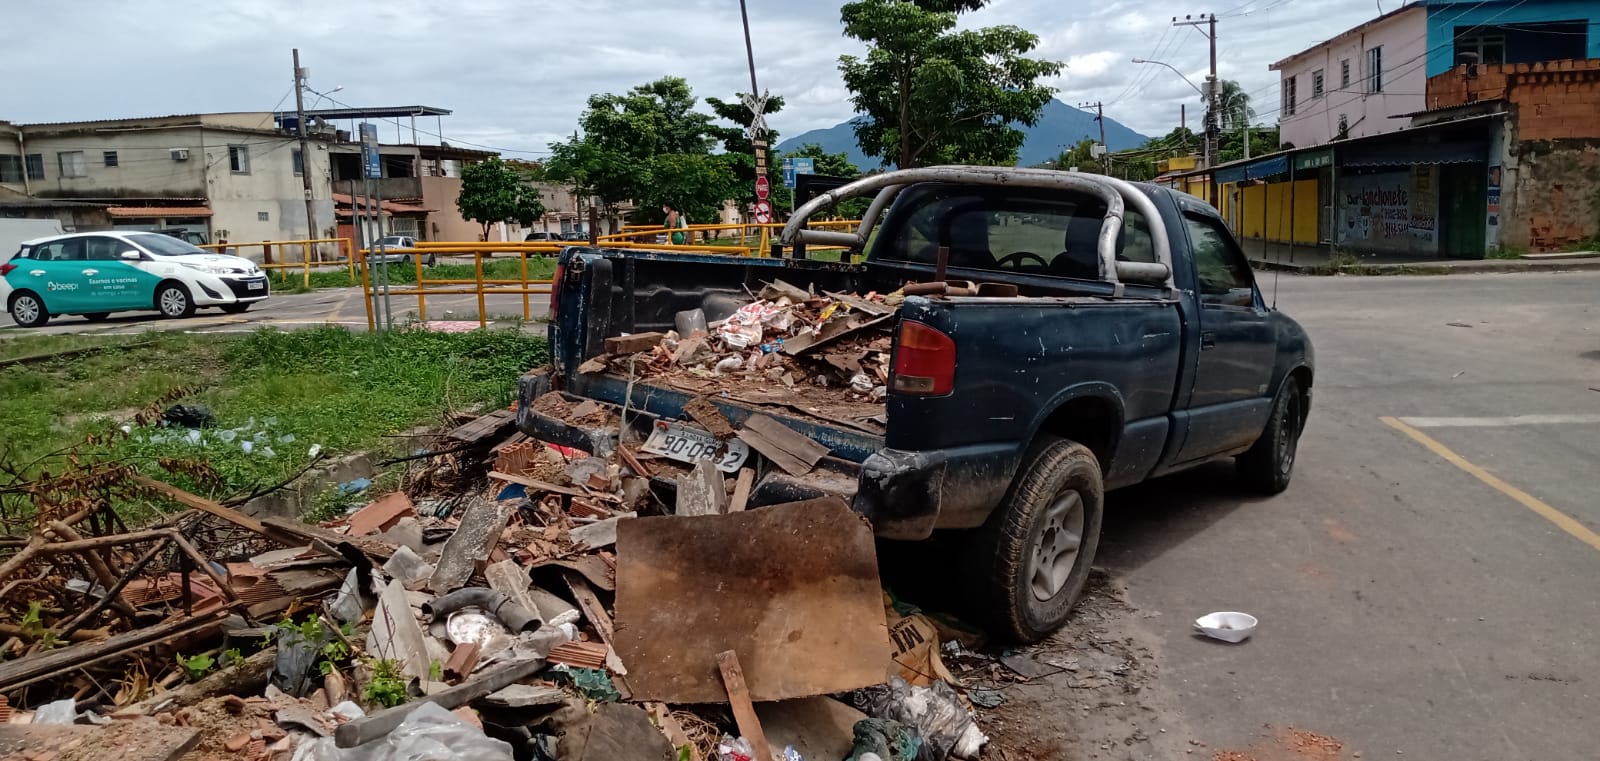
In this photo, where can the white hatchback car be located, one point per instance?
(95, 274)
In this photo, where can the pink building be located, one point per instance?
(1362, 82)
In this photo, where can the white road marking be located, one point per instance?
(1499, 422)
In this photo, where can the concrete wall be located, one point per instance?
(445, 222)
(1403, 37)
(1445, 16)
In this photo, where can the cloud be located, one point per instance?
(517, 73)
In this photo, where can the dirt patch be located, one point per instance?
(1289, 745)
(220, 720)
(581, 414)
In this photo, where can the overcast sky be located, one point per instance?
(517, 72)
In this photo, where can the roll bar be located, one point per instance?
(1117, 195)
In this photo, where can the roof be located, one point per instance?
(393, 207)
(1360, 142)
(151, 212)
(1414, 5)
(369, 112)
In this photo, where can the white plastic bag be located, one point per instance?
(430, 733)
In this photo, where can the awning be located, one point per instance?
(1255, 170)
(157, 212)
(1410, 154)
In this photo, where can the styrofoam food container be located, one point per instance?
(1228, 626)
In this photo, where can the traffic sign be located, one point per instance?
(763, 212)
(763, 187)
(792, 167)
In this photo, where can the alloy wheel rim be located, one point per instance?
(1055, 552)
(26, 309)
(172, 301)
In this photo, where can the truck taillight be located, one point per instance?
(555, 289)
(924, 361)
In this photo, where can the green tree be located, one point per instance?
(1230, 144)
(492, 191)
(1080, 156)
(1233, 106)
(934, 94)
(617, 154)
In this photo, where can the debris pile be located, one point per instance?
(517, 599)
(825, 347)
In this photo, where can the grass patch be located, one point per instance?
(275, 396)
(1506, 252)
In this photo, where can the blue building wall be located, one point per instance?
(1444, 16)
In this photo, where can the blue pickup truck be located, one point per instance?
(1127, 341)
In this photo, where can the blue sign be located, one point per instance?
(371, 162)
(792, 167)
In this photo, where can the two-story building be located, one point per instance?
(1443, 128)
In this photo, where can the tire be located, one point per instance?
(28, 310)
(1026, 566)
(97, 316)
(238, 308)
(431, 260)
(1268, 465)
(173, 301)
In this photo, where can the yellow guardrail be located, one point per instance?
(307, 255)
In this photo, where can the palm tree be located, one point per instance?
(1233, 106)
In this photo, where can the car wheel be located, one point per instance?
(97, 316)
(28, 310)
(1032, 557)
(1268, 465)
(173, 300)
(238, 308)
(432, 260)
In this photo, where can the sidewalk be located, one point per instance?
(1319, 260)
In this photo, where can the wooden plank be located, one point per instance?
(832, 331)
(795, 453)
(324, 541)
(634, 463)
(744, 711)
(202, 504)
(589, 602)
(858, 303)
(492, 425)
(633, 344)
(534, 483)
(741, 490)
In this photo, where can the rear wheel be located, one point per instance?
(1032, 558)
(28, 310)
(97, 316)
(1267, 466)
(173, 300)
(238, 308)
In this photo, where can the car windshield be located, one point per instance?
(165, 245)
(392, 241)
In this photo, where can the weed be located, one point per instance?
(32, 623)
(232, 657)
(1341, 259)
(436, 671)
(333, 502)
(388, 685)
(1507, 252)
(197, 666)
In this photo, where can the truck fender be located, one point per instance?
(1100, 436)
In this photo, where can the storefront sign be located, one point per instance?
(1389, 212)
(1313, 160)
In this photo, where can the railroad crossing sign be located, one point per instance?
(758, 119)
(763, 187)
(763, 212)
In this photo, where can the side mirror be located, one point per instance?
(130, 256)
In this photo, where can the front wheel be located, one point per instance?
(1268, 465)
(1032, 558)
(28, 310)
(172, 300)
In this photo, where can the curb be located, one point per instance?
(1470, 267)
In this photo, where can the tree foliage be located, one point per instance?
(493, 191)
(1233, 106)
(649, 145)
(935, 94)
(1230, 144)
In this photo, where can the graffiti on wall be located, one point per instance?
(1392, 211)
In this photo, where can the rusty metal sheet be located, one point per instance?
(793, 589)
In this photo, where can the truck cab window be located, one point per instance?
(1055, 235)
(1224, 273)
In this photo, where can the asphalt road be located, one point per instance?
(1427, 585)
(289, 311)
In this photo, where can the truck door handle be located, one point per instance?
(91, 273)
(1208, 340)
(36, 273)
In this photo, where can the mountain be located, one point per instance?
(1060, 127)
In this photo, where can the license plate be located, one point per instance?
(259, 285)
(690, 445)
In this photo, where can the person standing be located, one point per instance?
(677, 223)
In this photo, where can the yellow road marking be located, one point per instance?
(1562, 520)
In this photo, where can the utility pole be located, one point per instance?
(305, 151)
(757, 130)
(1100, 116)
(1183, 115)
(1208, 20)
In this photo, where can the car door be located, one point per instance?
(114, 284)
(1230, 401)
(55, 272)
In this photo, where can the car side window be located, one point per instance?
(1225, 278)
(69, 250)
(98, 249)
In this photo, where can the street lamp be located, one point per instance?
(1175, 71)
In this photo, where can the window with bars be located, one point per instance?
(109, 157)
(10, 168)
(1344, 74)
(1316, 84)
(1375, 69)
(1289, 96)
